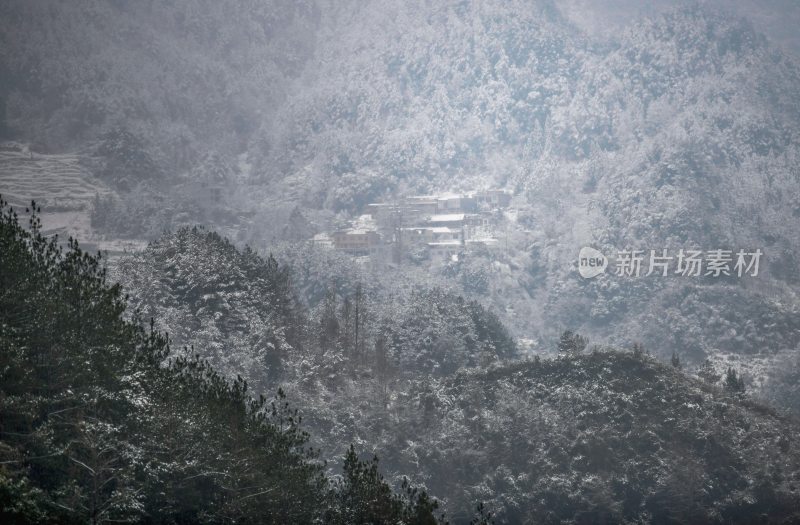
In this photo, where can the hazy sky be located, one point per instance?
(777, 19)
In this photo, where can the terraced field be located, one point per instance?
(62, 187)
(57, 182)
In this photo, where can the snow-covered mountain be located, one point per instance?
(433, 385)
(204, 126)
(676, 129)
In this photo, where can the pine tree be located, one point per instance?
(482, 516)
(381, 366)
(707, 373)
(346, 332)
(359, 327)
(733, 382)
(101, 424)
(329, 329)
(571, 343)
(363, 497)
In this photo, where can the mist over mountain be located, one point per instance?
(433, 383)
(678, 131)
(378, 207)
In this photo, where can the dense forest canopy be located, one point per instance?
(102, 423)
(677, 126)
(337, 231)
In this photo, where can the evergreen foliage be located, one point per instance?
(100, 422)
(571, 343)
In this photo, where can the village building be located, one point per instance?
(443, 224)
(492, 198)
(357, 242)
(422, 205)
(449, 220)
(484, 242)
(426, 234)
(322, 240)
(380, 210)
(455, 203)
(447, 250)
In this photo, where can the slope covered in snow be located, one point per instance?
(60, 184)
(429, 382)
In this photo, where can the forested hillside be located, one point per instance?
(676, 131)
(245, 314)
(220, 150)
(431, 383)
(100, 422)
(609, 437)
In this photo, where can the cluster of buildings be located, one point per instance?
(439, 225)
